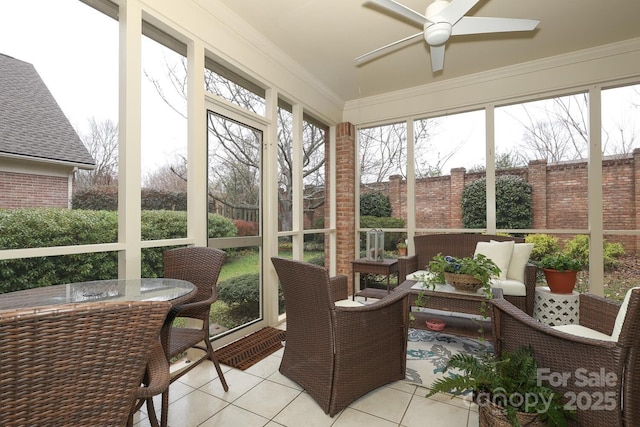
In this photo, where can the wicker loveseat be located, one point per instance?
(463, 245)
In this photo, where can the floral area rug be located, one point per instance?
(428, 353)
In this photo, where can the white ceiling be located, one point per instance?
(325, 36)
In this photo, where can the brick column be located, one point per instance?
(345, 198)
(636, 199)
(537, 178)
(456, 186)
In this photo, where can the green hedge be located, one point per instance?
(32, 228)
(390, 238)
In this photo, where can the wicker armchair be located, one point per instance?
(75, 364)
(200, 266)
(338, 354)
(463, 245)
(563, 352)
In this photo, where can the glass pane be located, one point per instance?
(59, 106)
(234, 173)
(27, 273)
(285, 163)
(230, 86)
(239, 291)
(313, 175)
(444, 145)
(234, 162)
(542, 147)
(164, 140)
(620, 137)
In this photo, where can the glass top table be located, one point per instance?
(146, 289)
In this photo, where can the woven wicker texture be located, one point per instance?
(338, 354)
(200, 266)
(461, 245)
(493, 416)
(565, 353)
(75, 364)
(463, 282)
(249, 350)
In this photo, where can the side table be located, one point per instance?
(556, 309)
(386, 267)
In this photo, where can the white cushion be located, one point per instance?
(519, 259)
(510, 287)
(418, 275)
(348, 303)
(622, 313)
(498, 252)
(583, 331)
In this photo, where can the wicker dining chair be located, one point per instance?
(75, 364)
(200, 266)
(338, 354)
(597, 370)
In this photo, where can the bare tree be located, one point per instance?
(101, 141)
(170, 177)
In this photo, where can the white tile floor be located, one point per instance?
(261, 396)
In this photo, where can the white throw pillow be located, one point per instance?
(622, 313)
(498, 252)
(519, 259)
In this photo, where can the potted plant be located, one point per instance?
(560, 271)
(402, 248)
(465, 274)
(506, 389)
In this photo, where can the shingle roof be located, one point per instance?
(31, 121)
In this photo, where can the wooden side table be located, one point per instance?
(556, 309)
(386, 267)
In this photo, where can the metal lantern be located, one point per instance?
(375, 245)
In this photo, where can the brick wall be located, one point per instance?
(559, 196)
(18, 190)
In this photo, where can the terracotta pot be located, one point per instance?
(402, 251)
(435, 324)
(560, 282)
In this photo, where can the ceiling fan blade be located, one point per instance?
(437, 58)
(456, 10)
(402, 10)
(388, 48)
(477, 25)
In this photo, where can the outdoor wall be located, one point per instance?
(559, 196)
(19, 190)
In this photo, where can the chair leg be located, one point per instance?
(151, 411)
(214, 359)
(164, 414)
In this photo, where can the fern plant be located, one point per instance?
(497, 380)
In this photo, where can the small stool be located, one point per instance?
(556, 309)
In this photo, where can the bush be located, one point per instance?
(375, 204)
(543, 244)
(578, 248)
(48, 227)
(513, 203)
(242, 295)
(246, 228)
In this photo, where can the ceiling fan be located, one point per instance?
(442, 20)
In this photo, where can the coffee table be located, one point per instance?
(450, 301)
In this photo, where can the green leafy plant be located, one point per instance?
(559, 261)
(401, 245)
(503, 381)
(478, 266)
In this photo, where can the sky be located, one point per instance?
(75, 50)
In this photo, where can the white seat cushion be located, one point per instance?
(622, 313)
(510, 287)
(348, 303)
(583, 331)
(498, 252)
(519, 259)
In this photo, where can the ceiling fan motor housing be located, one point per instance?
(437, 30)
